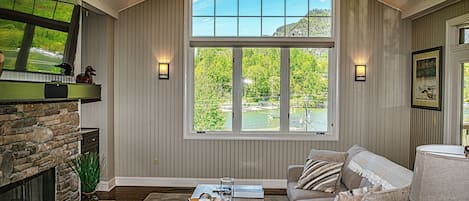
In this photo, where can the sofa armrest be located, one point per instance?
(294, 172)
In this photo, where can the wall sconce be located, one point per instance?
(163, 71)
(360, 73)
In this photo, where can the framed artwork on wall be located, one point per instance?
(426, 78)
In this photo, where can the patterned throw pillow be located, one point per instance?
(320, 175)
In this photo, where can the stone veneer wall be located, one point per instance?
(37, 137)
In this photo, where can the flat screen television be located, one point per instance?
(39, 36)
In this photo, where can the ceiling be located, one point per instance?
(409, 8)
(120, 5)
(398, 4)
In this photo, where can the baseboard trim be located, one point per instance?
(106, 185)
(192, 182)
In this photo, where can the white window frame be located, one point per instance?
(284, 134)
(455, 55)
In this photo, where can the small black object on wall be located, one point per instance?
(55, 91)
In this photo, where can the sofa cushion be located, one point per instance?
(356, 194)
(365, 182)
(351, 179)
(331, 156)
(399, 194)
(295, 194)
(294, 172)
(320, 175)
(327, 155)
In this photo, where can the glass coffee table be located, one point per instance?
(241, 192)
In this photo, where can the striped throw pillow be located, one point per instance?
(320, 175)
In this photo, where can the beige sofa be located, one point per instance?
(391, 175)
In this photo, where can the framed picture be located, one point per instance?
(426, 78)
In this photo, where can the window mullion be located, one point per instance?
(26, 44)
(237, 89)
(284, 89)
(332, 106)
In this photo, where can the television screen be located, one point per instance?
(38, 36)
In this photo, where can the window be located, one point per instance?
(60, 10)
(213, 89)
(11, 41)
(47, 50)
(309, 85)
(464, 35)
(256, 18)
(36, 36)
(261, 69)
(260, 89)
(465, 105)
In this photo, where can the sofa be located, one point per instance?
(361, 168)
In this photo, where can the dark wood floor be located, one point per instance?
(140, 193)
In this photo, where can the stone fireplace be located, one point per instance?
(38, 137)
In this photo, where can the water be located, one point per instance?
(268, 120)
(39, 61)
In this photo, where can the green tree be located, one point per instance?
(262, 66)
(212, 76)
(308, 76)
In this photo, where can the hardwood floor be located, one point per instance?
(140, 193)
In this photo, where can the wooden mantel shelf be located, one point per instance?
(20, 91)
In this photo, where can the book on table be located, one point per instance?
(248, 191)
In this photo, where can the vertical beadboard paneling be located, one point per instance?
(427, 32)
(149, 112)
(98, 51)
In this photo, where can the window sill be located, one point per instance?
(261, 136)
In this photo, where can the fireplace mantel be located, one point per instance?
(20, 91)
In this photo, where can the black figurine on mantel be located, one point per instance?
(67, 68)
(86, 77)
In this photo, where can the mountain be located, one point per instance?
(319, 25)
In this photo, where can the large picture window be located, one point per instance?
(260, 69)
